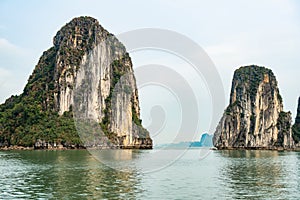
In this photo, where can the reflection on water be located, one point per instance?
(221, 175)
(145, 161)
(62, 174)
(260, 174)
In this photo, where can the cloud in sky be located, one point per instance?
(10, 49)
(15, 64)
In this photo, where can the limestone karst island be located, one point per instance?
(86, 80)
(255, 118)
(79, 73)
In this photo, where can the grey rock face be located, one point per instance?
(254, 117)
(296, 126)
(100, 86)
(298, 113)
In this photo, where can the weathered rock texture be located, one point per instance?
(255, 117)
(87, 73)
(296, 126)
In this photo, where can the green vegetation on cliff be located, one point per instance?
(284, 125)
(118, 70)
(34, 115)
(251, 76)
(22, 122)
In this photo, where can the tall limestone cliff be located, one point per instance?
(87, 74)
(296, 126)
(255, 117)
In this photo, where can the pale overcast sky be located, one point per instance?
(232, 32)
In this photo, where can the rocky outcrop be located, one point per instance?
(87, 74)
(296, 126)
(254, 117)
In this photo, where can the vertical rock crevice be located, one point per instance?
(254, 118)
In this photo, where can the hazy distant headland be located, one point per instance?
(205, 141)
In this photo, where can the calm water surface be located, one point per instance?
(221, 175)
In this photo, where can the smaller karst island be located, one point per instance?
(254, 118)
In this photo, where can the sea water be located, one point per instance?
(77, 174)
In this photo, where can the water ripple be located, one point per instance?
(221, 175)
